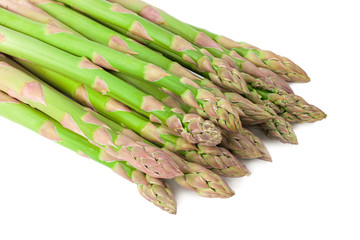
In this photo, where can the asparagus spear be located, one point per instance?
(216, 159)
(25, 8)
(293, 108)
(39, 95)
(273, 125)
(134, 25)
(105, 36)
(169, 99)
(189, 92)
(262, 113)
(98, 33)
(168, 22)
(153, 189)
(216, 186)
(283, 66)
(203, 181)
(278, 127)
(201, 40)
(192, 127)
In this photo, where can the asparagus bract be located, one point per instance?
(152, 189)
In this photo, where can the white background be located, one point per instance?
(310, 191)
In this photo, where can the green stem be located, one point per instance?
(42, 124)
(22, 46)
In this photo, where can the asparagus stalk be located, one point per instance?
(216, 186)
(192, 127)
(26, 9)
(134, 25)
(201, 40)
(168, 22)
(105, 36)
(153, 189)
(189, 92)
(216, 159)
(283, 66)
(99, 33)
(33, 91)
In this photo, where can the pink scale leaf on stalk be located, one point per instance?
(115, 106)
(100, 86)
(89, 118)
(154, 73)
(151, 104)
(203, 40)
(119, 44)
(68, 122)
(118, 8)
(180, 44)
(151, 14)
(34, 92)
(49, 131)
(101, 61)
(138, 30)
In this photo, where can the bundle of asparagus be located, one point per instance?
(145, 94)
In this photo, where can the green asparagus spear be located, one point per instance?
(166, 21)
(96, 32)
(134, 25)
(293, 108)
(216, 159)
(109, 58)
(39, 95)
(25, 8)
(153, 189)
(192, 127)
(201, 40)
(283, 66)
